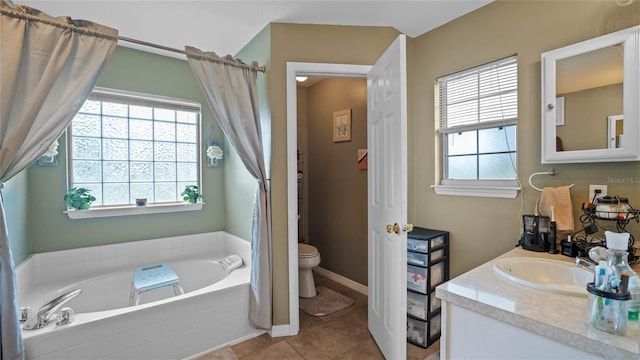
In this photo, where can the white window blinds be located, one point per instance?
(478, 98)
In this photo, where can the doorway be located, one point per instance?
(293, 70)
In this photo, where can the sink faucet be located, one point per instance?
(585, 264)
(44, 315)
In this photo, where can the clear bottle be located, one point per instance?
(618, 260)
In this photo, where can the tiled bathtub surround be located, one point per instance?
(176, 327)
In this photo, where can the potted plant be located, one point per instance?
(79, 198)
(191, 194)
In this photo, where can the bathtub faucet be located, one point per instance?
(46, 313)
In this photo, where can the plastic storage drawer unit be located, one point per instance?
(423, 333)
(420, 306)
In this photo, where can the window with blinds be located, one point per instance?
(125, 146)
(477, 112)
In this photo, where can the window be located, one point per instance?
(477, 111)
(127, 145)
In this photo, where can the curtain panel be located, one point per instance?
(48, 67)
(230, 89)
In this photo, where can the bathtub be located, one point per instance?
(212, 312)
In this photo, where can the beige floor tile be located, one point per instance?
(278, 351)
(254, 345)
(367, 350)
(418, 353)
(224, 353)
(353, 324)
(321, 342)
(308, 321)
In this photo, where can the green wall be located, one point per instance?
(16, 206)
(240, 186)
(50, 229)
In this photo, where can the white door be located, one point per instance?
(387, 194)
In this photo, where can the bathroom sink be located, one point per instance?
(543, 274)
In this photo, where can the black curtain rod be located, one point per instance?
(166, 48)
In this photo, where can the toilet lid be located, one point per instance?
(306, 250)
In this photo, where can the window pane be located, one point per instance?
(187, 152)
(90, 107)
(187, 133)
(113, 127)
(116, 171)
(141, 171)
(87, 125)
(87, 171)
(116, 193)
(109, 108)
(140, 112)
(86, 148)
(188, 172)
(142, 190)
(497, 139)
(165, 171)
(142, 150)
(497, 166)
(462, 143)
(115, 149)
(141, 129)
(166, 192)
(164, 151)
(188, 117)
(164, 131)
(164, 114)
(462, 167)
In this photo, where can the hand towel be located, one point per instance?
(560, 199)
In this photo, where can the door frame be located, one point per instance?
(302, 69)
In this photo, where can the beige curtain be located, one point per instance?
(230, 89)
(48, 67)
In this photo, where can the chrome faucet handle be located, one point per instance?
(65, 316)
(25, 313)
(47, 311)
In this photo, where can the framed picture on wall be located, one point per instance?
(342, 125)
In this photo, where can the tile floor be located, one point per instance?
(342, 335)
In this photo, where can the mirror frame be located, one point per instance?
(631, 151)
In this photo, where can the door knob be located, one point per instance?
(408, 228)
(393, 228)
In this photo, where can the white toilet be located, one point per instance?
(308, 258)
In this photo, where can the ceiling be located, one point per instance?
(226, 26)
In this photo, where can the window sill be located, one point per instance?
(132, 210)
(491, 191)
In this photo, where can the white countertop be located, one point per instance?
(559, 317)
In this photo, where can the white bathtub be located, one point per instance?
(211, 313)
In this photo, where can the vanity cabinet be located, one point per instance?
(427, 267)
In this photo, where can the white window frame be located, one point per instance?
(498, 188)
(131, 209)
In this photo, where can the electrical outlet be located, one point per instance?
(593, 192)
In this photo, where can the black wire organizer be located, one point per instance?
(593, 220)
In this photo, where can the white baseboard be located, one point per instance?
(280, 330)
(362, 289)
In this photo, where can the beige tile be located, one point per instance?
(308, 321)
(321, 342)
(224, 353)
(278, 351)
(254, 345)
(354, 324)
(367, 350)
(418, 353)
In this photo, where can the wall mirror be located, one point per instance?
(590, 100)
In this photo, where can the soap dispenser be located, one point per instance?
(618, 261)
